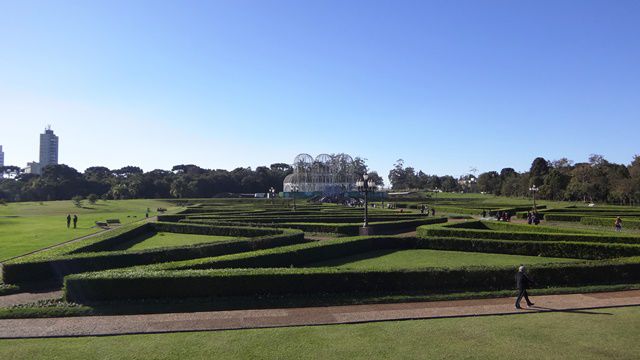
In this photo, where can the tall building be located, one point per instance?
(48, 148)
(1, 156)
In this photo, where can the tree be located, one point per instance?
(539, 169)
(92, 198)
(490, 182)
(77, 200)
(507, 172)
(555, 185)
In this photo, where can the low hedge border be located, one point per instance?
(351, 229)
(626, 223)
(129, 284)
(559, 249)
(57, 266)
(444, 231)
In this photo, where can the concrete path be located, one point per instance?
(247, 319)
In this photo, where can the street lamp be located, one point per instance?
(272, 195)
(534, 189)
(294, 190)
(365, 185)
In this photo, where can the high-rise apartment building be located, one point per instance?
(1, 156)
(48, 148)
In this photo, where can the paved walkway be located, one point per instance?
(246, 319)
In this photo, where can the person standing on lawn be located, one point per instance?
(75, 220)
(523, 282)
(618, 224)
(68, 220)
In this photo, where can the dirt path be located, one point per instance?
(247, 319)
(29, 297)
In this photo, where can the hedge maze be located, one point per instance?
(268, 254)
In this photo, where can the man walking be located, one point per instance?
(68, 220)
(75, 220)
(522, 282)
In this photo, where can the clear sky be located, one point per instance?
(444, 85)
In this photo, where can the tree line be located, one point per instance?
(596, 180)
(62, 182)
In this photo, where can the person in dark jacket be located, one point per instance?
(68, 220)
(522, 282)
(75, 221)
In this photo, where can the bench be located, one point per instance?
(102, 224)
(113, 221)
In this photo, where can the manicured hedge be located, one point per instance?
(294, 255)
(626, 223)
(131, 284)
(442, 231)
(563, 217)
(561, 249)
(379, 227)
(56, 267)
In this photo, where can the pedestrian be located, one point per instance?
(523, 282)
(433, 212)
(75, 220)
(422, 208)
(68, 220)
(536, 218)
(529, 218)
(618, 224)
(484, 213)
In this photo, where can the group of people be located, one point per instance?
(533, 218)
(75, 220)
(425, 210)
(503, 216)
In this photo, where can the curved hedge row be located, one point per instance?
(626, 223)
(124, 284)
(451, 231)
(93, 255)
(379, 227)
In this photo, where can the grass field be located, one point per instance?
(30, 226)
(403, 259)
(163, 239)
(592, 334)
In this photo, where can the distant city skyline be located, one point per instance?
(446, 86)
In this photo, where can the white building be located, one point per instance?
(48, 148)
(32, 168)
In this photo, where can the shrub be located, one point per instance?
(77, 200)
(92, 198)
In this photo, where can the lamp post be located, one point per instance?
(365, 185)
(534, 189)
(294, 190)
(272, 195)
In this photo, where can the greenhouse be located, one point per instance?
(325, 174)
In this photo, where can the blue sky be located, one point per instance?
(444, 85)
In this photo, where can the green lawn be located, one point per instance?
(29, 226)
(164, 239)
(592, 334)
(403, 259)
